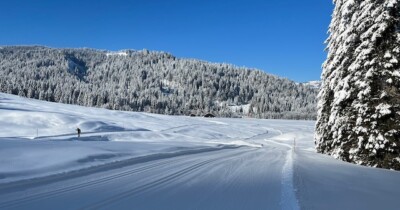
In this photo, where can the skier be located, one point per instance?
(79, 132)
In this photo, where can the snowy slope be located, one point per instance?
(127, 160)
(314, 84)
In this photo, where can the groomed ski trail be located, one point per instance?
(289, 200)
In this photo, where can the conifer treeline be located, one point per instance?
(153, 82)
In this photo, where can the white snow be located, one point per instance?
(340, 96)
(394, 61)
(384, 109)
(387, 55)
(391, 3)
(127, 160)
(117, 53)
(245, 108)
(314, 84)
(289, 200)
(396, 73)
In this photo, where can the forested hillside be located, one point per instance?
(148, 81)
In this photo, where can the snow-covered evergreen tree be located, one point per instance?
(359, 102)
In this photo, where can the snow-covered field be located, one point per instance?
(127, 160)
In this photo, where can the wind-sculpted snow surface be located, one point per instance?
(126, 160)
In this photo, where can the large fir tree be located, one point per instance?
(359, 107)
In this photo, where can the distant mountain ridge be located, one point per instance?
(149, 81)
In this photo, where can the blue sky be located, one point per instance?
(282, 37)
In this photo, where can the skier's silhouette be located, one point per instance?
(79, 132)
